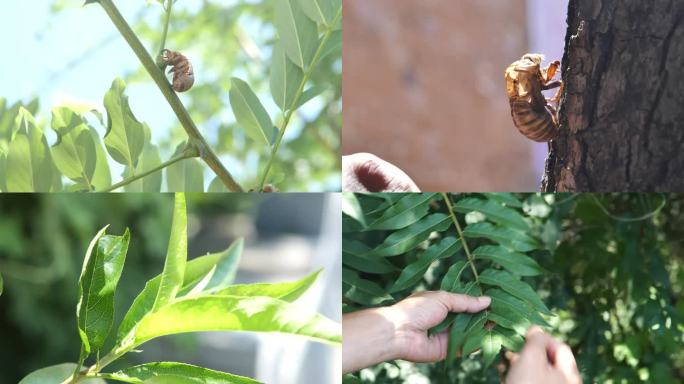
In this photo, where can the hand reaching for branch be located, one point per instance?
(543, 360)
(364, 172)
(401, 331)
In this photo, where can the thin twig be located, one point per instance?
(161, 166)
(471, 259)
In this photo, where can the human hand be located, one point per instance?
(543, 360)
(415, 315)
(400, 331)
(365, 172)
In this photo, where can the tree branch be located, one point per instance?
(196, 138)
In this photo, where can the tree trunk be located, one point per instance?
(622, 112)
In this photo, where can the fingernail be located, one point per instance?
(485, 299)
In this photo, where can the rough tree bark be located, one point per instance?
(622, 112)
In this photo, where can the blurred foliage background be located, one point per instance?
(615, 283)
(222, 38)
(43, 239)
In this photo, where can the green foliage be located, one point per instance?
(233, 113)
(187, 297)
(601, 272)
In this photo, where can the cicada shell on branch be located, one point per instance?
(532, 113)
(183, 77)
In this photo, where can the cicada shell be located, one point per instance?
(183, 77)
(532, 114)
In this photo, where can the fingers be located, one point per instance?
(564, 361)
(462, 303)
(365, 172)
(536, 345)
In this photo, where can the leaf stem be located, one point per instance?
(298, 95)
(161, 166)
(77, 371)
(471, 260)
(205, 151)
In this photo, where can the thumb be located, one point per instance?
(565, 363)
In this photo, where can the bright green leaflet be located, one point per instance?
(233, 313)
(285, 78)
(491, 345)
(289, 291)
(74, 152)
(298, 33)
(55, 374)
(352, 208)
(178, 373)
(100, 275)
(176, 255)
(195, 270)
(103, 176)
(125, 135)
(452, 279)
(250, 113)
(28, 166)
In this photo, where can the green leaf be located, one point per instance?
(176, 255)
(512, 313)
(149, 159)
(286, 77)
(217, 186)
(352, 208)
(55, 374)
(100, 275)
(310, 94)
(377, 265)
(250, 113)
(414, 272)
(408, 238)
(491, 345)
(363, 291)
(497, 213)
(321, 11)
(195, 270)
(74, 153)
(298, 33)
(472, 337)
(458, 333)
(289, 291)
(178, 373)
(232, 313)
(515, 287)
(186, 175)
(515, 262)
(509, 238)
(28, 166)
(509, 339)
(125, 135)
(408, 210)
(505, 198)
(451, 280)
(102, 178)
(333, 44)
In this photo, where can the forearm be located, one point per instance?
(369, 338)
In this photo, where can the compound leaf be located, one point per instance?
(515, 287)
